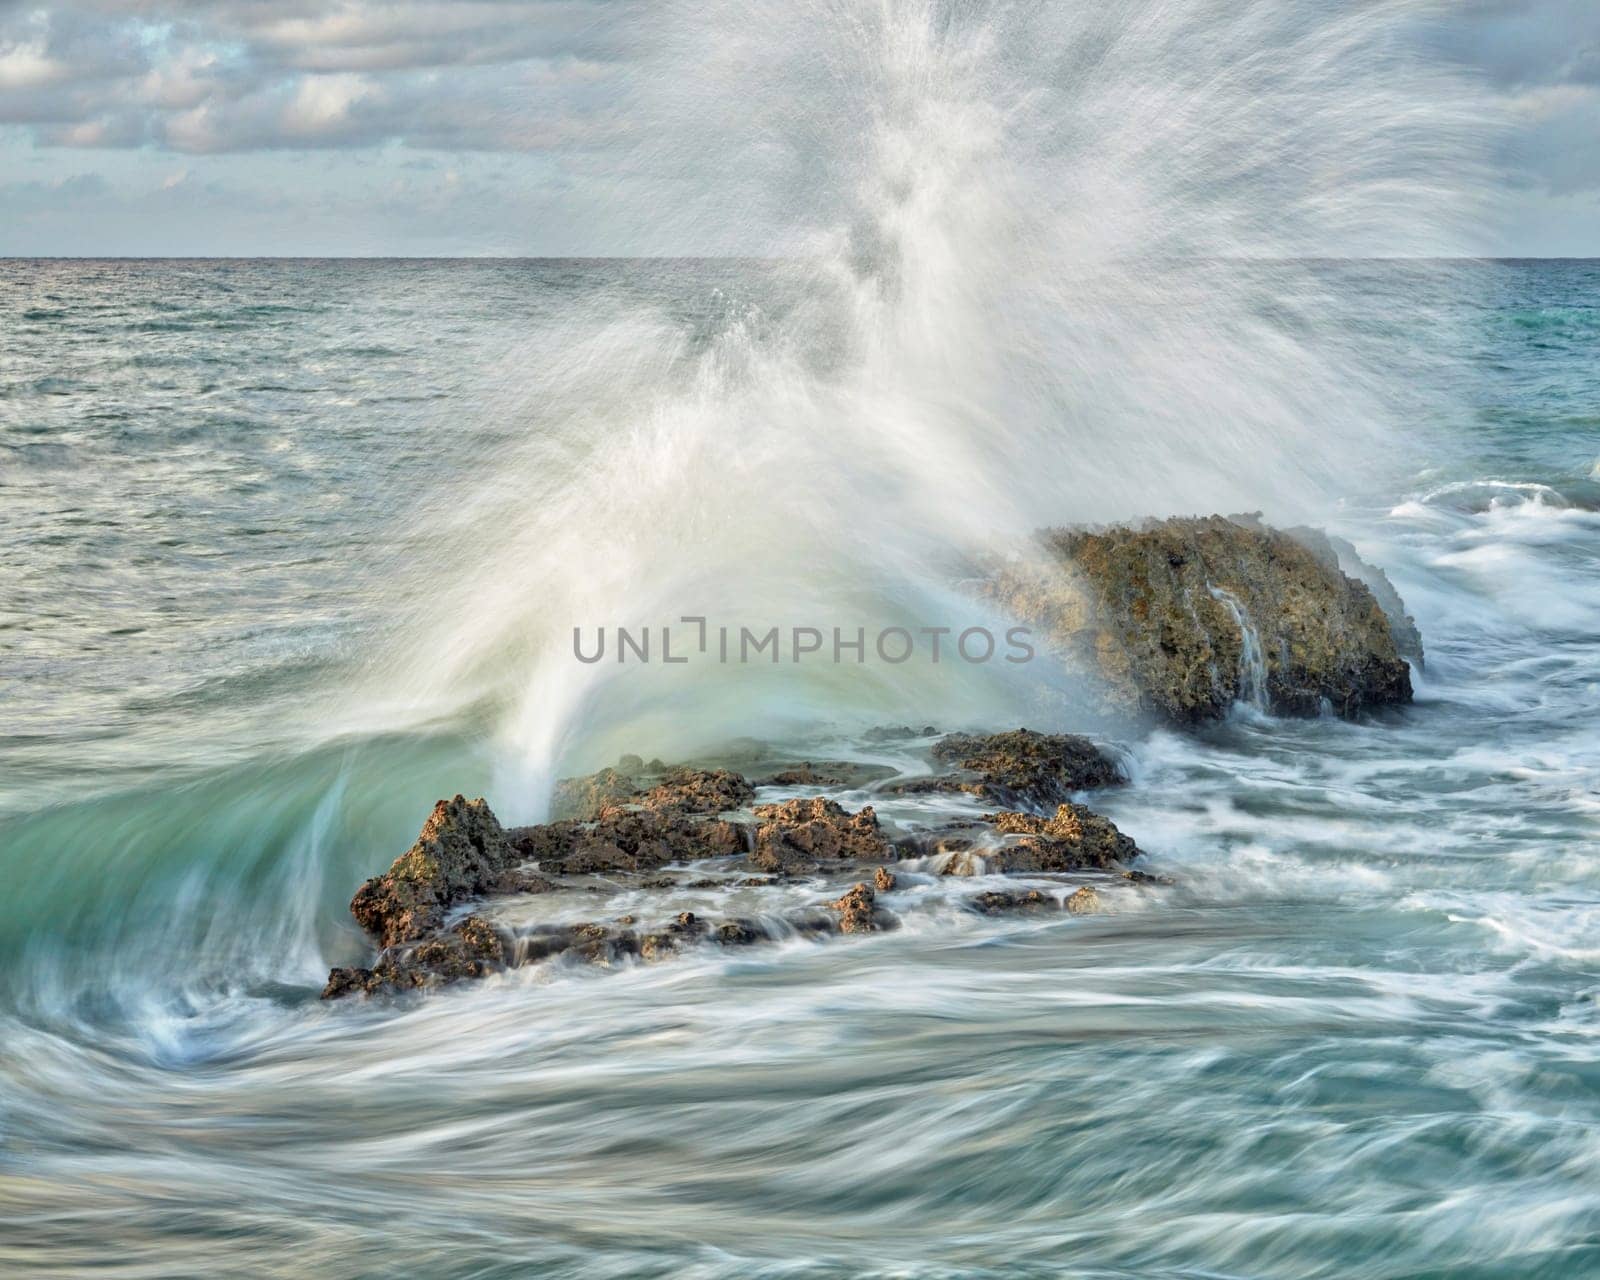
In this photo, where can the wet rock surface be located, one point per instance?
(652, 832)
(461, 852)
(1172, 617)
(1025, 767)
(1074, 839)
(472, 949)
(798, 836)
(653, 786)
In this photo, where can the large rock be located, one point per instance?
(1184, 617)
(461, 852)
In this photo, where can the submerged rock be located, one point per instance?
(1183, 617)
(1085, 901)
(997, 902)
(897, 733)
(828, 773)
(472, 949)
(584, 798)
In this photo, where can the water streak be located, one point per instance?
(1252, 674)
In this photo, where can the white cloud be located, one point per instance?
(28, 66)
(322, 104)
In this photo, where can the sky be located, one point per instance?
(504, 127)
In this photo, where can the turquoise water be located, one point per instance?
(241, 646)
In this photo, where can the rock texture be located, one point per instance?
(652, 786)
(461, 851)
(472, 949)
(1022, 766)
(1074, 839)
(642, 824)
(797, 836)
(1148, 610)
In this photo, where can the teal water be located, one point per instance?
(243, 586)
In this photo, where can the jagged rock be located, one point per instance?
(857, 910)
(1150, 610)
(461, 852)
(699, 791)
(797, 835)
(471, 949)
(1402, 626)
(1022, 766)
(1085, 901)
(626, 839)
(883, 880)
(1074, 839)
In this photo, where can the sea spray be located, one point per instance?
(1034, 264)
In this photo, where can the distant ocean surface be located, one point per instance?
(254, 620)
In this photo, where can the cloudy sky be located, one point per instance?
(199, 127)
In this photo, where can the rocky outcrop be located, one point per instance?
(461, 852)
(472, 949)
(1074, 839)
(652, 786)
(1183, 617)
(643, 824)
(858, 911)
(1024, 767)
(626, 839)
(699, 791)
(797, 836)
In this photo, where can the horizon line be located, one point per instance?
(706, 257)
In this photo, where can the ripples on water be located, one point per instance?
(1357, 1039)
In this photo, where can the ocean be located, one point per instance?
(291, 549)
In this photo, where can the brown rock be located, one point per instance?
(1151, 611)
(1085, 901)
(461, 851)
(1074, 839)
(627, 839)
(883, 880)
(857, 910)
(1019, 767)
(795, 836)
(471, 949)
(699, 791)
